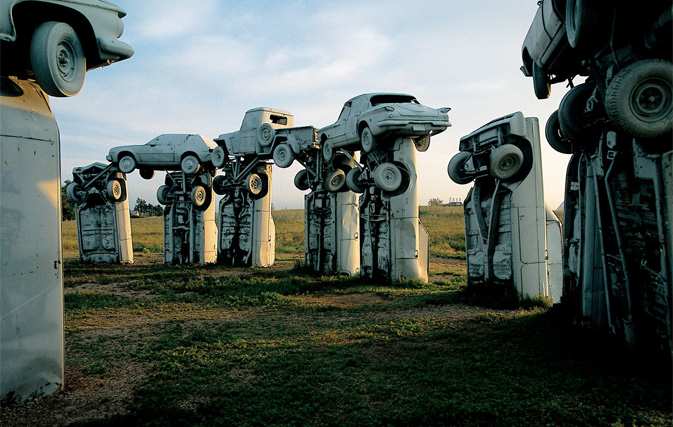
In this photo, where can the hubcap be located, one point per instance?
(651, 100)
(65, 62)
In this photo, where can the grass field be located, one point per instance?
(148, 344)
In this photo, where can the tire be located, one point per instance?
(266, 134)
(505, 161)
(541, 85)
(147, 173)
(353, 181)
(200, 197)
(301, 180)
(162, 194)
(455, 169)
(190, 164)
(218, 157)
(367, 140)
(71, 192)
(115, 190)
(127, 164)
(572, 120)
(555, 136)
(328, 151)
(219, 184)
(336, 181)
(638, 100)
(422, 144)
(283, 156)
(388, 177)
(255, 186)
(583, 24)
(57, 59)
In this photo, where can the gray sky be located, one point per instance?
(199, 66)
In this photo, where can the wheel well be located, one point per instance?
(189, 153)
(28, 16)
(125, 153)
(361, 127)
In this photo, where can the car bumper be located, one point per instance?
(414, 127)
(115, 48)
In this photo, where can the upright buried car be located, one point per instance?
(368, 119)
(57, 41)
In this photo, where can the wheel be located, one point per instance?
(71, 192)
(219, 157)
(583, 22)
(541, 85)
(57, 59)
(127, 164)
(328, 151)
(555, 137)
(147, 173)
(219, 184)
(200, 197)
(422, 144)
(190, 164)
(456, 168)
(638, 100)
(367, 140)
(301, 180)
(256, 185)
(505, 161)
(115, 190)
(283, 156)
(353, 181)
(336, 180)
(388, 177)
(162, 194)
(266, 135)
(572, 119)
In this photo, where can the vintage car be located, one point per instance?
(57, 41)
(498, 149)
(96, 181)
(265, 133)
(186, 152)
(547, 55)
(371, 118)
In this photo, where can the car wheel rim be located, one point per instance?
(67, 67)
(650, 100)
(255, 185)
(200, 196)
(508, 164)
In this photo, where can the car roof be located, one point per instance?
(370, 95)
(271, 110)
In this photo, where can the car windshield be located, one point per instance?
(393, 99)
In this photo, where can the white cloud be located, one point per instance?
(165, 19)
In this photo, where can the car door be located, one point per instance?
(157, 152)
(337, 131)
(351, 127)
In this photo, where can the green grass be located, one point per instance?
(247, 346)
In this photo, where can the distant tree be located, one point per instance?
(435, 202)
(68, 209)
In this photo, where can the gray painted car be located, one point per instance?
(186, 152)
(265, 133)
(57, 41)
(370, 118)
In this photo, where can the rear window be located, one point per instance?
(279, 120)
(393, 99)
